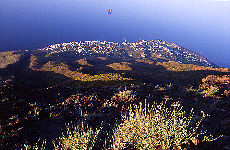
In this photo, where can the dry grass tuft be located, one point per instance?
(157, 126)
(35, 146)
(82, 137)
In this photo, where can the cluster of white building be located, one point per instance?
(144, 49)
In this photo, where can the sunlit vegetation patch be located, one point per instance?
(84, 62)
(80, 137)
(144, 61)
(215, 86)
(33, 61)
(102, 58)
(120, 66)
(64, 69)
(61, 69)
(158, 127)
(103, 77)
(83, 101)
(124, 94)
(7, 58)
(121, 98)
(217, 79)
(175, 66)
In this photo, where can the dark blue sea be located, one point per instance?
(202, 26)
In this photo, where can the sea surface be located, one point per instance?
(202, 26)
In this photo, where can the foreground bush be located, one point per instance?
(82, 137)
(157, 127)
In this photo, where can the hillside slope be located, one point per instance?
(42, 91)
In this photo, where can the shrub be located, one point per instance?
(35, 146)
(158, 126)
(82, 137)
(124, 94)
(123, 97)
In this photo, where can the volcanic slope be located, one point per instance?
(43, 90)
